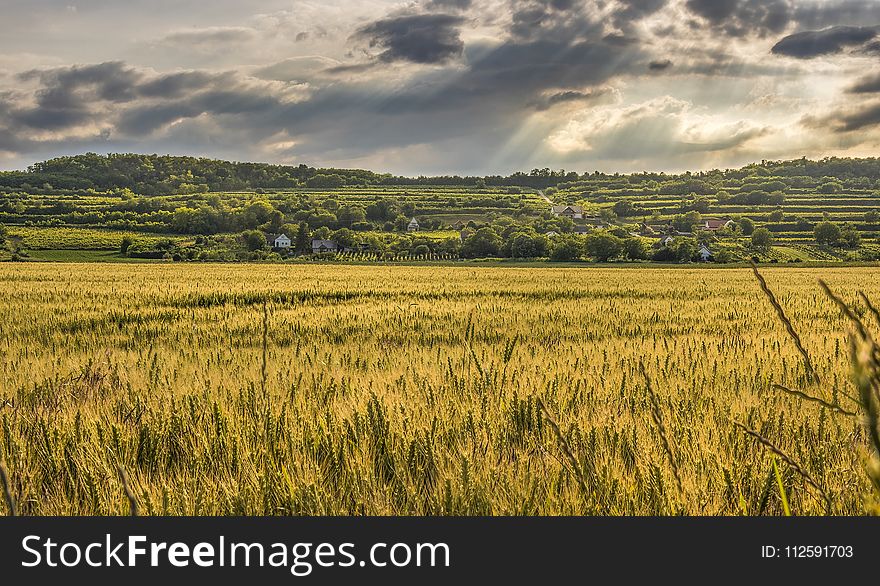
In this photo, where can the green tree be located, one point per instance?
(762, 239)
(827, 233)
(624, 208)
(603, 246)
(635, 249)
(483, 243)
(686, 222)
(831, 187)
(303, 242)
(850, 237)
(322, 233)
(345, 238)
(253, 240)
(685, 249)
(567, 248)
(124, 245)
(872, 217)
(529, 245)
(747, 226)
(777, 216)
(348, 215)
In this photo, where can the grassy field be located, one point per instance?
(338, 389)
(65, 238)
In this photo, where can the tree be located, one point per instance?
(777, 216)
(762, 239)
(567, 248)
(635, 249)
(322, 233)
(528, 245)
(345, 238)
(802, 224)
(253, 239)
(686, 250)
(685, 223)
(485, 242)
(831, 187)
(872, 217)
(850, 237)
(348, 215)
(124, 245)
(603, 246)
(624, 208)
(827, 233)
(747, 226)
(303, 241)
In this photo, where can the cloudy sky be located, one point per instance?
(443, 86)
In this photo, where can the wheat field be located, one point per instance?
(217, 389)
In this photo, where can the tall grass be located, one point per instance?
(347, 390)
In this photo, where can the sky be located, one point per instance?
(443, 86)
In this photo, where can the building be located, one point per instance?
(413, 226)
(319, 246)
(580, 229)
(279, 241)
(715, 225)
(705, 254)
(666, 240)
(573, 212)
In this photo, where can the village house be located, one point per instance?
(413, 226)
(278, 241)
(580, 229)
(319, 246)
(705, 254)
(715, 225)
(573, 212)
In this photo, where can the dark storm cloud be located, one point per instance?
(809, 44)
(532, 19)
(818, 15)
(144, 120)
(744, 17)
(418, 38)
(176, 84)
(73, 96)
(660, 65)
(112, 81)
(453, 4)
(569, 96)
(866, 85)
(630, 11)
(67, 94)
(865, 117)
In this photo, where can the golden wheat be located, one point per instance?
(330, 389)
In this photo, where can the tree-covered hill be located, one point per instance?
(166, 175)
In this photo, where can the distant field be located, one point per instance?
(417, 390)
(82, 256)
(49, 238)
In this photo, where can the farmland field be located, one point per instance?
(349, 390)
